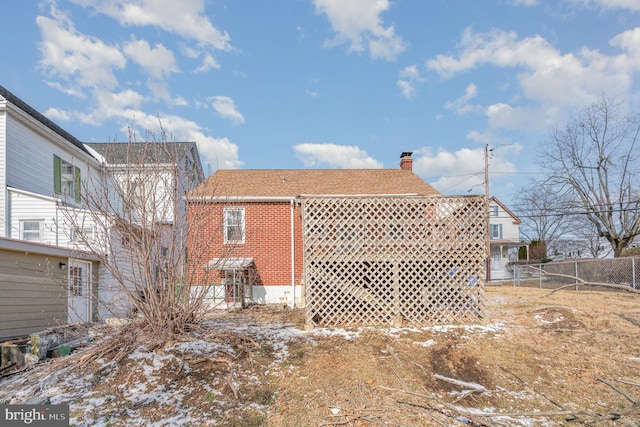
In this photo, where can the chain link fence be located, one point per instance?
(618, 271)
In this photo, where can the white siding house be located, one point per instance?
(45, 172)
(504, 235)
(42, 168)
(153, 178)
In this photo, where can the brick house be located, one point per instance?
(251, 229)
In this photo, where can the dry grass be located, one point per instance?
(567, 358)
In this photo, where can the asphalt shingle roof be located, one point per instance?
(297, 182)
(143, 152)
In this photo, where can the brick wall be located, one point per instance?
(267, 239)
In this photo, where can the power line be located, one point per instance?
(560, 214)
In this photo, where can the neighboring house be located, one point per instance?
(42, 168)
(152, 179)
(47, 176)
(504, 238)
(254, 232)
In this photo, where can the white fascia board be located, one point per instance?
(31, 194)
(25, 246)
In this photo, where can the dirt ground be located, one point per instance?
(569, 358)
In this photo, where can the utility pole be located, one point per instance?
(488, 226)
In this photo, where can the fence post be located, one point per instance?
(540, 276)
(576, 269)
(633, 272)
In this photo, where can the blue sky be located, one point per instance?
(328, 83)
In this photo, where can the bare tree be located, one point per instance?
(586, 239)
(594, 159)
(134, 221)
(536, 206)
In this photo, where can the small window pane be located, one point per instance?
(234, 225)
(31, 230)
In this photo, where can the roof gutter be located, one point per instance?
(283, 199)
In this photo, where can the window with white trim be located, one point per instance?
(496, 231)
(31, 229)
(233, 225)
(66, 178)
(82, 235)
(493, 210)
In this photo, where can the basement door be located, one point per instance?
(79, 308)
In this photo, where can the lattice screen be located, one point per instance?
(375, 260)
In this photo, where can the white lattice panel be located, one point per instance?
(373, 260)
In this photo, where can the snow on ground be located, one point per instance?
(62, 384)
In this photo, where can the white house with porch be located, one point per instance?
(504, 239)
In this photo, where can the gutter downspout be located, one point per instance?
(293, 260)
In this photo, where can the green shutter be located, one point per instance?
(57, 175)
(78, 184)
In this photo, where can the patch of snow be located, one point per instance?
(336, 332)
(540, 319)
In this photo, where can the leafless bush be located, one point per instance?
(134, 221)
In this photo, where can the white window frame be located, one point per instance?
(233, 217)
(67, 179)
(493, 210)
(82, 235)
(39, 231)
(495, 231)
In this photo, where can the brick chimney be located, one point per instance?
(406, 162)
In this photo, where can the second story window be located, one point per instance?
(496, 231)
(66, 179)
(81, 235)
(493, 210)
(233, 225)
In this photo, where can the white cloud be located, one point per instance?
(406, 88)
(226, 108)
(526, 3)
(629, 41)
(113, 102)
(83, 65)
(632, 5)
(69, 90)
(335, 156)
(408, 77)
(123, 107)
(553, 83)
(185, 18)
(461, 171)
(461, 105)
(208, 62)
(358, 23)
(180, 102)
(77, 59)
(158, 61)
(58, 114)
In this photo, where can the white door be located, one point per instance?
(79, 291)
